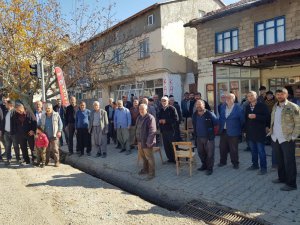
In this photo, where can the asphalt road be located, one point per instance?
(64, 195)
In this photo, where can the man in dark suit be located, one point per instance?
(62, 113)
(257, 118)
(4, 110)
(127, 104)
(70, 122)
(110, 114)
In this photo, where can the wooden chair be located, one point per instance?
(186, 134)
(183, 150)
(297, 153)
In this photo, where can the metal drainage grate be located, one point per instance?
(216, 215)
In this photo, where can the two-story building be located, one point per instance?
(152, 51)
(248, 44)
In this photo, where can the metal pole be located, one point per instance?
(43, 81)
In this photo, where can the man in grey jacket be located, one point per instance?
(146, 139)
(98, 128)
(52, 125)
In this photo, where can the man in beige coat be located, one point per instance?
(284, 130)
(98, 128)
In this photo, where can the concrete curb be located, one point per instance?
(169, 200)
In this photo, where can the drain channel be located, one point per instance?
(216, 215)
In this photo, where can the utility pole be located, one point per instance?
(43, 81)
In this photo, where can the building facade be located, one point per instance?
(149, 53)
(248, 44)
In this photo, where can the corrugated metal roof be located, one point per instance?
(264, 50)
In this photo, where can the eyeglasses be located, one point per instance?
(163, 100)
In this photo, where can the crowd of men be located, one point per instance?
(262, 118)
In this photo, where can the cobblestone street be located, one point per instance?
(239, 189)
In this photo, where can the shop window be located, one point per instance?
(227, 41)
(210, 94)
(270, 31)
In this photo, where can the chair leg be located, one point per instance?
(162, 161)
(191, 167)
(177, 167)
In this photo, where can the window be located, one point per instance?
(150, 19)
(270, 31)
(117, 58)
(144, 49)
(227, 41)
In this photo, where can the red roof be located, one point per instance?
(281, 47)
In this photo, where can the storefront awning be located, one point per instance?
(284, 53)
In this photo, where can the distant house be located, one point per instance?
(152, 51)
(247, 44)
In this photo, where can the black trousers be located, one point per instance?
(229, 145)
(24, 141)
(169, 136)
(84, 140)
(71, 132)
(206, 152)
(285, 155)
(111, 132)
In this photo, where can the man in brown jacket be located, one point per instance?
(146, 139)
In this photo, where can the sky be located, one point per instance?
(123, 8)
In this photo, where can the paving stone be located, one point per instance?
(240, 189)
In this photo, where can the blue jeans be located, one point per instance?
(258, 150)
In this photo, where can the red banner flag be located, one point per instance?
(62, 86)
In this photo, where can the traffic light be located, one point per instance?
(34, 70)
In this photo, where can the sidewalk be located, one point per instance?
(238, 189)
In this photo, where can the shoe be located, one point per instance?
(202, 168)
(288, 188)
(56, 164)
(42, 165)
(150, 177)
(104, 155)
(46, 163)
(277, 181)
(70, 153)
(7, 163)
(171, 161)
(118, 147)
(128, 152)
(221, 164)
(143, 172)
(98, 154)
(209, 172)
(88, 154)
(262, 172)
(123, 150)
(236, 166)
(253, 168)
(80, 154)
